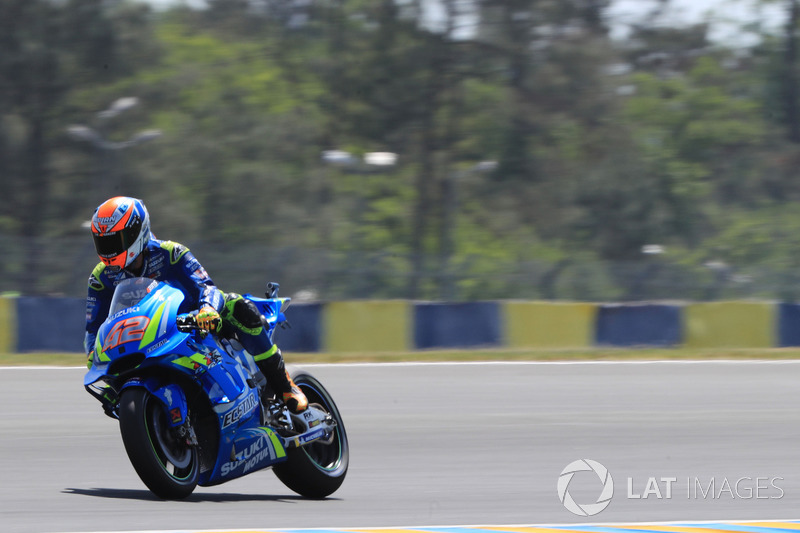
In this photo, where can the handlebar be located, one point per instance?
(188, 323)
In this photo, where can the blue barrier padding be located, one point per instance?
(638, 325)
(305, 333)
(50, 324)
(788, 324)
(456, 325)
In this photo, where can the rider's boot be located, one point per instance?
(272, 366)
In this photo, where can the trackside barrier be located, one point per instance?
(549, 324)
(456, 325)
(730, 325)
(367, 326)
(638, 325)
(305, 333)
(788, 324)
(57, 324)
(50, 324)
(8, 325)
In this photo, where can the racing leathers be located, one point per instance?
(174, 263)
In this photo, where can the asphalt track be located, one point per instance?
(445, 445)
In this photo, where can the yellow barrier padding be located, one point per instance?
(367, 326)
(549, 324)
(730, 325)
(8, 325)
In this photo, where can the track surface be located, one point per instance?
(439, 445)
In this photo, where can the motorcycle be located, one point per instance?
(193, 407)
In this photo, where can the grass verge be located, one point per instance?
(588, 354)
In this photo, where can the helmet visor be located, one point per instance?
(116, 243)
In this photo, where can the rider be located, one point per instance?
(122, 239)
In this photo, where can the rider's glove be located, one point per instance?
(90, 359)
(208, 318)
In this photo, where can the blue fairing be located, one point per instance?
(140, 345)
(271, 309)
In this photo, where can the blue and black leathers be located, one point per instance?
(164, 261)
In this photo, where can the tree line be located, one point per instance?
(537, 156)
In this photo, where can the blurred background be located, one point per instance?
(449, 150)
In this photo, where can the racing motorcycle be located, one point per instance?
(193, 407)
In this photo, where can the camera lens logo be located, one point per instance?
(587, 509)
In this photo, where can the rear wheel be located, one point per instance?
(318, 469)
(165, 463)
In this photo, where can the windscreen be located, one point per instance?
(130, 292)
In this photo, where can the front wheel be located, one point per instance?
(318, 469)
(166, 464)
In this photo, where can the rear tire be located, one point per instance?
(166, 465)
(316, 470)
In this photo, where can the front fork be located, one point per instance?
(186, 433)
(173, 401)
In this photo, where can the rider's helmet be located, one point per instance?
(121, 230)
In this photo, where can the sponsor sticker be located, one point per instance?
(156, 263)
(157, 345)
(177, 251)
(240, 411)
(95, 283)
(260, 450)
(311, 436)
(124, 312)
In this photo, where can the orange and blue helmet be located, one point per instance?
(121, 230)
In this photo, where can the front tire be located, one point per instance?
(316, 470)
(166, 465)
